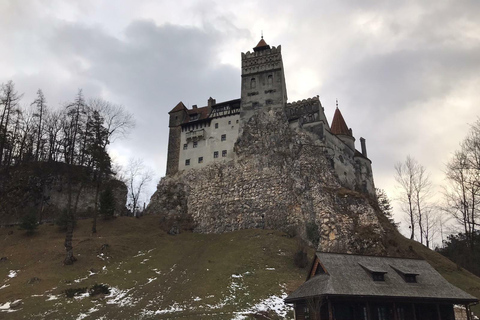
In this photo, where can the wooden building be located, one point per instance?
(356, 287)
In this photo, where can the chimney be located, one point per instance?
(194, 106)
(364, 147)
(211, 102)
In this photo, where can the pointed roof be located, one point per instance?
(180, 106)
(262, 45)
(339, 125)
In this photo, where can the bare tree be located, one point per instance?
(138, 177)
(117, 121)
(40, 112)
(415, 186)
(462, 192)
(9, 99)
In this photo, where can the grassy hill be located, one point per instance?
(237, 275)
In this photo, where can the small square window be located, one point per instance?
(229, 122)
(378, 276)
(224, 153)
(200, 159)
(215, 154)
(410, 278)
(185, 146)
(187, 162)
(224, 137)
(195, 144)
(237, 120)
(216, 125)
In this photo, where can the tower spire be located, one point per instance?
(262, 34)
(336, 102)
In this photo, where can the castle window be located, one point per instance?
(224, 137)
(216, 125)
(237, 120)
(268, 101)
(253, 83)
(187, 162)
(185, 146)
(195, 144)
(200, 159)
(255, 105)
(224, 153)
(270, 80)
(229, 122)
(215, 154)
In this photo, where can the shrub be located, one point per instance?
(29, 223)
(313, 235)
(300, 258)
(98, 289)
(72, 292)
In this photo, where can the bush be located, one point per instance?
(312, 233)
(300, 258)
(107, 204)
(98, 289)
(72, 292)
(29, 223)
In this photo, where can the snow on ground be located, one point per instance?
(273, 303)
(12, 273)
(4, 286)
(121, 297)
(6, 306)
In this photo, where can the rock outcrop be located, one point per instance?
(280, 179)
(42, 188)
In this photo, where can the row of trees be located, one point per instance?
(72, 134)
(459, 200)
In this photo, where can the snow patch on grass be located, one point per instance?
(12, 273)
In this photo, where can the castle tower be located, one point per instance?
(177, 117)
(263, 80)
(340, 129)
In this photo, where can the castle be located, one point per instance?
(202, 136)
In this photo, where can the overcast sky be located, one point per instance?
(406, 73)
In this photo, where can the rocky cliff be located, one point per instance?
(42, 188)
(281, 179)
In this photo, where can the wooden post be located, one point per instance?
(467, 310)
(369, 314)
(330, 311)
(414, 313)
(395, 316)
(439, 315)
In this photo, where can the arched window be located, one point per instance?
(253, 83)
(270, 80)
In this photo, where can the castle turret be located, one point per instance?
(340, 129)
(263, 80)
(177, 117)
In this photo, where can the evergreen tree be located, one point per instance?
(29, 223)
(107, 203)
(385, 206)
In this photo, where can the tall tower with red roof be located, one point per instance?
(263, 80)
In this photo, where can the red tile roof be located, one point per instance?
(202, 113)
(262, 45)
(180, 106)
(338, 124)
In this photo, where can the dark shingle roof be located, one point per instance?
(346, 277)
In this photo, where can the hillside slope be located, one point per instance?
(154, 275)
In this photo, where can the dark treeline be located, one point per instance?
(73, 134)
(458, 248)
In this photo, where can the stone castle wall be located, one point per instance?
(282, 178)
